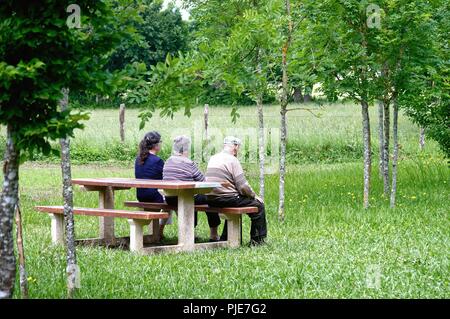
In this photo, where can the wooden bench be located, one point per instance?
(232, 214)
(136, 219)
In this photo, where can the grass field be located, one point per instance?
(327, 247)
(334, 136)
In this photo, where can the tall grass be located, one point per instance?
(334, 136)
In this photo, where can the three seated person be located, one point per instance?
(223, 166)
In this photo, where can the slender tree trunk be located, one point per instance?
(387, 128)
(72, 268)
(422, 139)
(367, 151)
(261, 143)
(206, 136)
(395, 158)
(283, 140)
(8, 202)
(381, 136)
(284, 104)
(122, 122)
(23, 278)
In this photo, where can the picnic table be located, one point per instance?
(185, 192)
(149, 213)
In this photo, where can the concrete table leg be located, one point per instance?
(106, 224)
(57, 228)
(234, 230)
(137, 234)
(186, 236)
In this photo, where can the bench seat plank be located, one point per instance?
(166, 207)
(105, 212)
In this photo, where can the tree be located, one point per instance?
(296, 64)
(284, 103)
(234, 49)
(156, 33)
(350, 68)
(402, 58)
(428, 97)
(244, 56)
(72, 268)
(40, 54)
(374, 55)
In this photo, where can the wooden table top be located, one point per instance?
(144, 183)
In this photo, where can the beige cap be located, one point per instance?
(232, 140)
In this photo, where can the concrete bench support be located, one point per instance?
(234, 229)
(137, 234)
(57, 228)
(106, 224)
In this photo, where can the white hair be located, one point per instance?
(181, 144)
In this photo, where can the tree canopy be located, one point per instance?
(157, 33)
(47, 56)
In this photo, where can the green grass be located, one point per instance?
(333, 137)
(325, 248)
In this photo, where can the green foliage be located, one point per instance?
(85, 153)
(426, 83)
(388, 63)
(346, 45)
(158, 33)
(245, 57)
(40, 55)
(175, 84)
(239, 61)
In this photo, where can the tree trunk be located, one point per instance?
(395, 158)
(72, 268)
(122, 122)
(8, 202)
(387, 128)
(23, 278)
(261, 144)
(283, 142)
(367, 151)
(422, 139)
(381, 136)
(206, 136)
(284, 104)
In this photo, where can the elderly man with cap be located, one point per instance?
(225, 166)
(179, 167)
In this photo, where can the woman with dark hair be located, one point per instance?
(149, 166)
